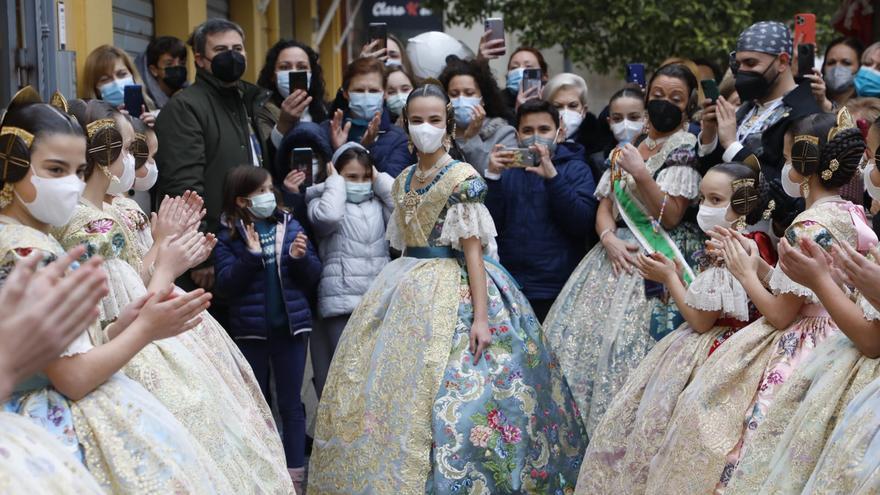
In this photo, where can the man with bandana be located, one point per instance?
(771, 101)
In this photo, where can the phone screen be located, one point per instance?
(522, 158)
(635, 73)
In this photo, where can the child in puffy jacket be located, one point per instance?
(265, 266)
(348, 213)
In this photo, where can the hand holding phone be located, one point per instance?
(531, 79)
(299, 79)
(301, 160)
(522, 158)
(710, 89)
(134, 100)
(493, 44)
(635, 74)
(378, 31)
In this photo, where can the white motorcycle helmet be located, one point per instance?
(428, 51)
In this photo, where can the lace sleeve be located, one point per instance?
(780, 283)
(603, 189)
(80, 345)
(871, 313)
(464, 220)
(680, 180)
(716, 289)
(393, 234)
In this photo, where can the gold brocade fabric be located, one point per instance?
(430, 204)
(633, 427)
(32, 462)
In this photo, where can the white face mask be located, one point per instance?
(790, 187)
(126, 181)
(710, 217)
(426, 137)
(56, 198)
(627, 130)
(572, 121)
(147, 183)
(873, 191)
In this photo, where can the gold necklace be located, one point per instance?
(412, 199)
(422, 176)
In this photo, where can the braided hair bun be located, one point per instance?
(840, 157)
(99, 120)
(750, 191)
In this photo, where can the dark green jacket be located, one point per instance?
(204, 132)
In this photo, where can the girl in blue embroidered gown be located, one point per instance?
(442, 381)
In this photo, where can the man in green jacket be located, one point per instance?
(208, 128)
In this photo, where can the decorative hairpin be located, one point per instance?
(60, 102)
(24, 135)
(844, 121)
(829, 172)
(769, 211)
(808, 138)
(93, 128)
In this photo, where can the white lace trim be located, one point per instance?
(716, 289)
(464, 220)
(393, 234)
(781, 284)
(604, 188)
(680, 181)
(80, 345)
(871, 313)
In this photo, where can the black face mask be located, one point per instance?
(228, 66)
(175, 76)
(664, 116)
(751, 85)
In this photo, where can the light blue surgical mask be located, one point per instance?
(463, 106)
(365, 105)
(550, 143)
(396, 102)
(113, 92)
(514, 78)
(867, 82)
(358, 192)
(282, 81)
(262, 205)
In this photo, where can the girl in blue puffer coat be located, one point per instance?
(265, 266)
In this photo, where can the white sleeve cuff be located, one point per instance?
(731, 151)
(706, 149)
(276, 137)
(491, 175)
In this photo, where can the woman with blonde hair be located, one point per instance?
(107, 72)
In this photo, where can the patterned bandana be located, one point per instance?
(765, 37)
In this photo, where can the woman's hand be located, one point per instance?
(338, 130)
(620, 253)
(808, 267)
(499, 159)
(656, 267)
(859, 271)
(708, 122)
(490, 49)
(478, 114)
(299, 246)
(817, 85)
(371, 50)
(148, 118)
(252, 239)
(631, 161)
(179, 253)
(481, 339)
(741, 262)
(292, 109)
(725, 115)
(166, 315)
(522, 97)
(545, 169)
(293, 180)
(205, 250)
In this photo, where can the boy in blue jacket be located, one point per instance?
(544, 212)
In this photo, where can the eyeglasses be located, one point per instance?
(732, 63)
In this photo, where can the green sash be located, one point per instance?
(633, 214)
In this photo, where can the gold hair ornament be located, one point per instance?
(93, 128)
(844, 121)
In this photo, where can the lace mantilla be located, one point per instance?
(717, 289)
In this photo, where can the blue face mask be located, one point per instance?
(113, 92)
(358, 192)
(262, 205)
(514, 78)
(365, 105)
(867, 82)
(463, 106)
(550, 143)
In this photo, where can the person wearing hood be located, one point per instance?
(163, 67)
(771, 101)
(292, 184)
(349, 213)
(544, 213)
(360, 115)
(208, 128)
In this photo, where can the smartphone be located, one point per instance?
(379, 31)
(806, 59)
(710, 89)
(522, 158)
(805, 29)
(299, 79)
(301, 159)
(532, 79)
(635, 74)
(134, 100)
(496, 25)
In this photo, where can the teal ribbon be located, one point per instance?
(430, 252)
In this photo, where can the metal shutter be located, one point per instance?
(218, 9)
(132, 25)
